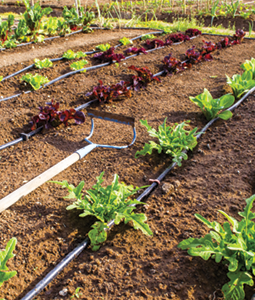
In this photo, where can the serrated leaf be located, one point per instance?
(234, 290)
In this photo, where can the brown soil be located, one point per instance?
(218, 175)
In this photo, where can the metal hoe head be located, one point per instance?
(113, 118)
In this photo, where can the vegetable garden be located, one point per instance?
(175, 172)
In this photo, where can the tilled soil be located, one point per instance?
(218, 175)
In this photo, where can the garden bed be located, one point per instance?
(218, 175)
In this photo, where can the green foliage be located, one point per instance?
(109, 203)
(125, 41)
(77, 293)
(1, 78)
(147, 37)
(45, 63)
(79, 65)
(172, 140)
(69, 54)
(36, 81)
(233, 243)
(21, 30)
(33, 15)
(73, 19)
(249, 65)
(212, 107)
(50, 27)
(241, 84)
(4, 256)
(39, 38)
(103, 47)
(10, 44)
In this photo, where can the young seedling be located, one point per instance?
(40, 64)
(5, 255)
(50, 116)
(106, 204)
(145, 37)
(233, 244)
(241, 84)
(212, 108)
(143, 77)
(35, 81)
(125, 41)
(103, 47)
(171, 140)
(69, 54)
(79, 65)
(249, 65)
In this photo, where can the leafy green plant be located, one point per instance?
(79, 65)
(249, 65)
(233, 244)
(145, 37)
(5, 27)
(241, 84)
(109, 203)
(10, 44)
(1, 78)
(4, 256)
(103, 47)
(36, 81)
(45, 63)
(33, 15)
(172, 140)
(21, 31)
(69, 54)
(212, 108)
(125, 41)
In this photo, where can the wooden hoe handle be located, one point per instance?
(37, 181)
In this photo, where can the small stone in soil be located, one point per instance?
(63, 292)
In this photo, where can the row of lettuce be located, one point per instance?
(32, 27)
(234, 241)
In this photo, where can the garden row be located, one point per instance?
(158, 94)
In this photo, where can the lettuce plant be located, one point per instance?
(79, 65)
(105, 93)
(154, 43)
(1, 78)
(103, 47)
(171, 140)
(193, 32)
(125, 41)
(194, 57)
(249, 65)
(224, 43)
(70, 54)
(36, 81)
(45, 63)
(6, 254)
(239, 36)
(143, 77)
(145, 37)
(109, 56)
(233, 244)
(178, 37)
(134, 50)
(241, 84)
(50, 116)
(106, 204)
(212, 108)
(172, 65)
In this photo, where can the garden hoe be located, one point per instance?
(64, 164)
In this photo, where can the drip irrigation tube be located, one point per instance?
(60, 58)
(73, 254)
(86, 69)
